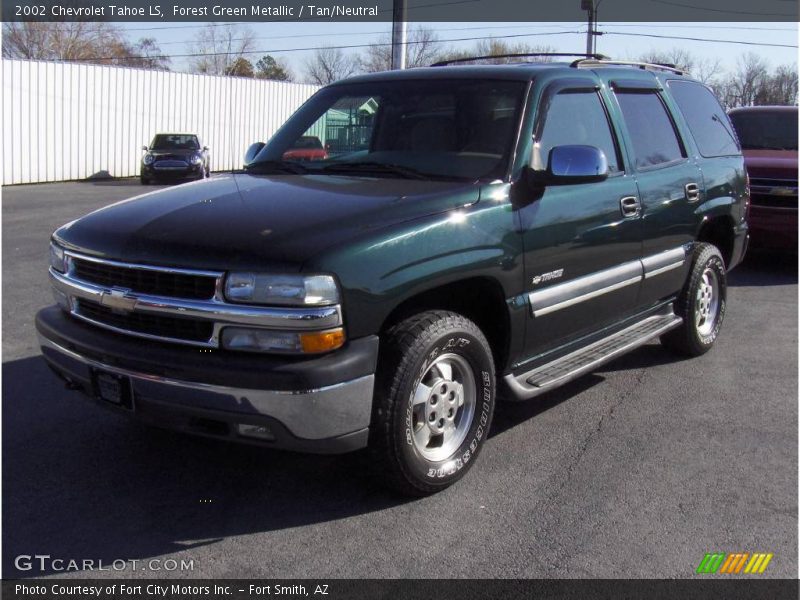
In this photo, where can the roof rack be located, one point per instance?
(520, 55)
(590, 62)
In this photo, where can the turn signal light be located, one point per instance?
(322, 341)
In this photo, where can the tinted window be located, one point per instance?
(761, 129)
(576, 118)
(710, 127)
(458, 129)
(650, 128)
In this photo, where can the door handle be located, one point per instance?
(629, 206)
(692, 192)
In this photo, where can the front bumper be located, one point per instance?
(321, 404)
(172, 172)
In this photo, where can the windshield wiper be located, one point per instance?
(267, 167)
(376, 167)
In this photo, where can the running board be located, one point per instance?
(553, 374)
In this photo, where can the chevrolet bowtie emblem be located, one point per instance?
(118, 299)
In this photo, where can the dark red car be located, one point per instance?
(768, 135)
(307, 147)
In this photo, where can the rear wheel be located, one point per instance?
(434, 402)
(701, 304)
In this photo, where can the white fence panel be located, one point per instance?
(65, 121)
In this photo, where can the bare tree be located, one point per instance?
(330, 64)
(421, 51)
(704, 70)
(94, 42)
(743, 86)
(781, 87)
(218, 47)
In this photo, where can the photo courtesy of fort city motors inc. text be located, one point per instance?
(402, 299)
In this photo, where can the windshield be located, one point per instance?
(174, 142)
(766, 130)
(444, 129)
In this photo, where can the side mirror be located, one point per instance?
(252, 152)
(205, 148)
(576, 164)
(144, 148)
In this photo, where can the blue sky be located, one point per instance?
(282, 39)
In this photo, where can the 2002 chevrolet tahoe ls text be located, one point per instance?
(477, 227)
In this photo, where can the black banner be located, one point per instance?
(381, 10)
(427, 589)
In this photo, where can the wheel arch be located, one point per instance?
(481, 299)
(719, 231)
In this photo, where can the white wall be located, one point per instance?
(65, 121)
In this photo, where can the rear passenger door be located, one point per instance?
(670, 186)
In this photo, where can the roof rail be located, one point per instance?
(519, 55)
(582, 63)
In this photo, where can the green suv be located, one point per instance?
(469, 233)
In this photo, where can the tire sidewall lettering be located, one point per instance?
(459, 343)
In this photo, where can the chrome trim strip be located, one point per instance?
(319, 413)
(662, 262)
(126, 265)
(566, 294)
(300, 319)
(212, 342)
(586, 287)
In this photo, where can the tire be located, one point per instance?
(701, 304)
(144, 180)
(435, 396)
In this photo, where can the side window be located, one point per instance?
(650, 127)
(710, 126)
(576, 118)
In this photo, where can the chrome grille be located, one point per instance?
(169, 328)
(170, 304)
(146, 281)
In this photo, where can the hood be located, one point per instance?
(255, 222)
(771, 164)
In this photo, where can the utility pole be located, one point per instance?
(588, 6)
(399, 35)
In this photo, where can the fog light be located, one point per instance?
(261, 432)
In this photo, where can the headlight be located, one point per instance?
(57, 258)
(148, 159)
(281, 290)
(251, 339)
(196, 159)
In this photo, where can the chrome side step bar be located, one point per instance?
(555, 373)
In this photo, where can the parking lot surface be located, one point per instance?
(636, 470)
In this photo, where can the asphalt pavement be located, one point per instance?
(636, 470)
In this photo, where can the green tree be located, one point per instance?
(269, 68)
(241, 67)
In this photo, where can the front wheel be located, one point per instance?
(435, 397)
(701, 304)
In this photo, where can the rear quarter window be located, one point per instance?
(710, 126)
